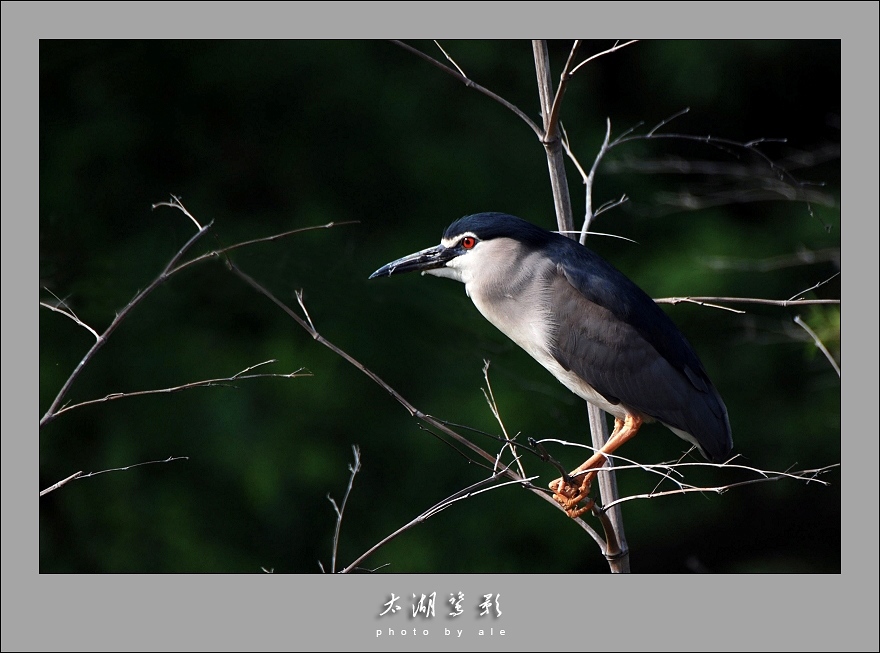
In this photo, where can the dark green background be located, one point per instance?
(263, 137)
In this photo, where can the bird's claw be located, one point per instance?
(570, 495)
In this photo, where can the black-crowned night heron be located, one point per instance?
(588, 324)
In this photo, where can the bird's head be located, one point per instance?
(469, 245)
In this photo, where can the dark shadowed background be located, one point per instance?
(264, 137)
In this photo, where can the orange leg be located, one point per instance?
(569, 496)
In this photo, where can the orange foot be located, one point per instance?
(570, 495)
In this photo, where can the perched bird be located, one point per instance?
(589, 325)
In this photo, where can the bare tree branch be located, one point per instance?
(553, 148)
(811, 288)
(450, 59)
(412, 410)
(818, 342)
(62, 307)
(493, 406)
(57, 485)
(470, 491)
(80, 475)
(588, 183)
(340, 510)
(472, 84)
(70, 314)
(552, 143)
(551, 127)
(172, 268)
(121, 315)
(217, 253)
(781, 183)
(785, 303)
(807, 475)
(672, 472)
(170, 459)
(239, 376)
(175, 203)
(617, 46)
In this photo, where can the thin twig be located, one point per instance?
(607, 206)
(72, 316)
(785, 303)
(299, 299)
(80, 475)
(169, 459)
(666, 469)
(121, 315)
(617, 46)
(551, 128)
(472, 84)
(450, 59)
(818, 285)
(175, 203)
(67, 480)
(470, 491)
(818, 343)
(172, 268)
(570, 153)
(588, 182)
(781, 174)
(599, 233)
(207, 383)
(721, 489)
(340, 510)
(412, 410)
(493, 406)
(217, 253)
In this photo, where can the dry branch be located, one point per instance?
(173, 267)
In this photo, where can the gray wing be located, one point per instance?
(648, 367)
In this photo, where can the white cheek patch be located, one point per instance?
(455, 269)
(448, 273)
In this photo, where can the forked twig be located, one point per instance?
(173, 267)
(340, 510)
(412, 410)
(493, 406)
(51, 413)
(467, 81)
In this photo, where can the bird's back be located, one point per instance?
(613, 335)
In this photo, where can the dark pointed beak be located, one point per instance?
(427, 259)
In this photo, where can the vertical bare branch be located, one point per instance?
(552, 145)
(588, 182)
(553, 126)
(565, 221)
(340, 510)
(618, 560)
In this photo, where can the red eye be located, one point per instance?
(468, 242)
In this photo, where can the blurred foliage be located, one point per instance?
(262, 137)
